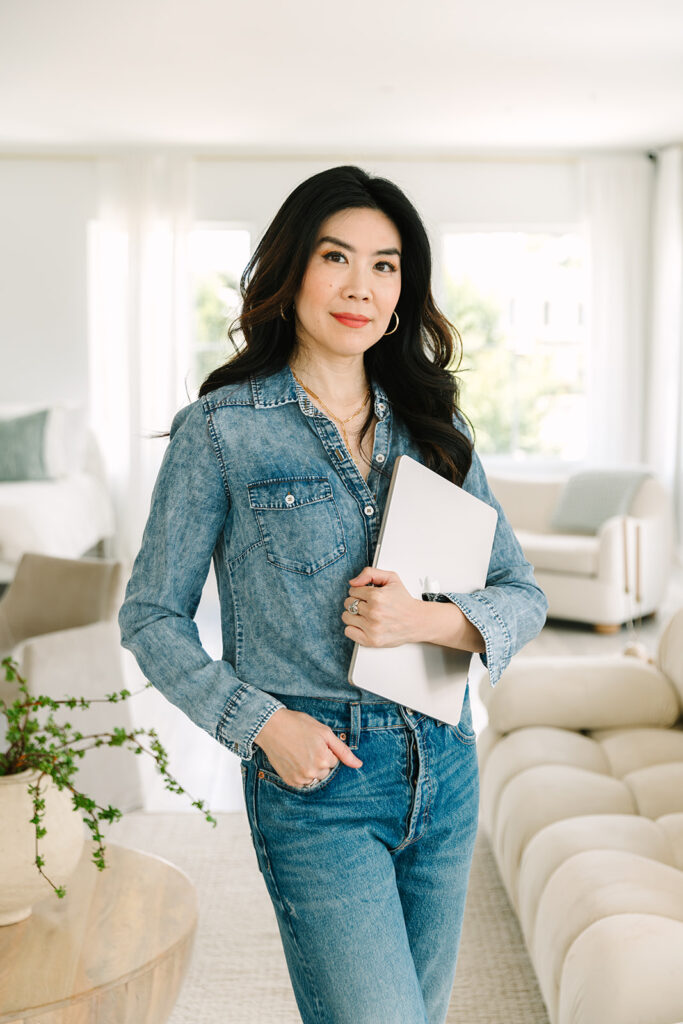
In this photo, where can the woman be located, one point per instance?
(363, 813)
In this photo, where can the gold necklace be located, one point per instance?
(342, 423)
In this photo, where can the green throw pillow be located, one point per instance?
(22, 447)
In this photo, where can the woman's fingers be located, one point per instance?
(378, 577)
(342, 752)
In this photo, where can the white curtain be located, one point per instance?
(616, 197)
(139, 322)
(139, 331)
(664, 377)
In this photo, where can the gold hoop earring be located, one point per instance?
(282, 314)
(394, 329)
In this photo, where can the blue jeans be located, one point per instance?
(368, 869)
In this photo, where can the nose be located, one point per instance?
(357, 284)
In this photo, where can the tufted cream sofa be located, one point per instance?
(618, 574)
(582, 797)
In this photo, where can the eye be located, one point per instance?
(387, 267)
(334, 257)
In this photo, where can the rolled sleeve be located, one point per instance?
(243, 717)
(511, 609)
(483, 614)
(188, 514)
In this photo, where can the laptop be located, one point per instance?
(437, 537)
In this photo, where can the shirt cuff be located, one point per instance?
(482, 613)
(243, 717)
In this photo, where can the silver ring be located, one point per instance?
(353, 607)
(311, 783)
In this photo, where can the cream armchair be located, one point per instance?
(58, 620)
(619, 574)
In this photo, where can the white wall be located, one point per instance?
(45, 205)
(449, 192)
(468, 191)
(44, 208)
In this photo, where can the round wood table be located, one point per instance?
(113, 951)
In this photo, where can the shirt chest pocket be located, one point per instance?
(299, 522)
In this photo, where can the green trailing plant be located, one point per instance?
(35, 740)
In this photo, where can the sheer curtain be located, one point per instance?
(664, 419)
(139, 330)
(616, 194)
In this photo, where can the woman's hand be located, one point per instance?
(388, 615)
(300, 748)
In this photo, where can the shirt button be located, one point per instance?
(380, 458)
(342, 735)
(290, 499)
(381, 407)
(369, 510)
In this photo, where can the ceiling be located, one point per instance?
(320, 76)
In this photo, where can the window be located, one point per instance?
(218, 255)
(518, 300)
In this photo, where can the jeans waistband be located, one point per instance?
(353, 716)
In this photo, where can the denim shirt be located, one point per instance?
(258, 479)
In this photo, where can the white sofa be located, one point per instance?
(67, 516)
(582, 797)
(607, 579)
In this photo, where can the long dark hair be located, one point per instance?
(414, 365)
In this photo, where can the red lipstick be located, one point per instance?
(351, 320)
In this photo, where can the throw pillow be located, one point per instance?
(22, 448)
(589, 498)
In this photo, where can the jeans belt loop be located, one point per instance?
(408, 716)
(354, 730)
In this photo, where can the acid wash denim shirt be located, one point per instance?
(256, 478)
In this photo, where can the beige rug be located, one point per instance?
(238, 973)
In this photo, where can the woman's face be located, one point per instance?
(351, 285)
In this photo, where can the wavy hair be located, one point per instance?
(416, 365)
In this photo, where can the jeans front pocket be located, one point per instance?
(299, 522)
(267, 772)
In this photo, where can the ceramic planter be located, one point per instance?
(21, 885)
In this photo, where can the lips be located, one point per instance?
(350, 320)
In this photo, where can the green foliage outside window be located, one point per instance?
(506, 394)
(215, 307)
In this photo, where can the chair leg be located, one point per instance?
(605, 629)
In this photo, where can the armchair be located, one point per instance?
(617, 575)
(57, 619)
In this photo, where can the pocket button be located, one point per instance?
(342, 735)
(290, 499)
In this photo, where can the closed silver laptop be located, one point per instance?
(432, 530)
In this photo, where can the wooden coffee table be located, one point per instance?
(113, 951)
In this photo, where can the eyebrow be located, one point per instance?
(345, 245)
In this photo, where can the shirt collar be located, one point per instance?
(280, 388)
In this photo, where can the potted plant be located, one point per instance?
(41, 807)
